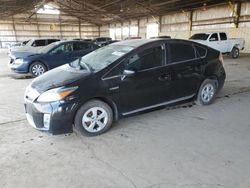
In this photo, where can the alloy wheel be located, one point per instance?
(207, 93)
(95, 119)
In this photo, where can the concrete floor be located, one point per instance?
(181, 147)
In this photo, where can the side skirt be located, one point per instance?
(158, 105)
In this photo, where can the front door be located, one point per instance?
(151, 83)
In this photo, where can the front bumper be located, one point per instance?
(56, 117)
(22, 69)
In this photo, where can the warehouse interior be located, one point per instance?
(180, 146)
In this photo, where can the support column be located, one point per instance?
(237, 16)
(37, 25)
(60, 26)
(79, 28)
(14, 29)
(160, 24)
(138, 24)
(190, 23)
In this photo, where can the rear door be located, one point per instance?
(185, 67)
(224, 43)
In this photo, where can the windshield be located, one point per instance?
(200, 36)
(47, 48)
(103, 57)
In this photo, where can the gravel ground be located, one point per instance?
(185, 146)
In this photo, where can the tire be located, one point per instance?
(88, 124)
(37, 68)
(207, 92)
(235, 53)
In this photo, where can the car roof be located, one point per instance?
(140, 42)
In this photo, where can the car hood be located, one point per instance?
(17, 55)
(58, 77)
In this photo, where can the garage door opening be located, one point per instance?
(152, 30)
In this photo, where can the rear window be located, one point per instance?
(200, 36)
(39, 43)
(202, 52)
(180, 51)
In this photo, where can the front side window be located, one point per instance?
(214, 37)
(180, 51)
(38, 43)
(149, 58)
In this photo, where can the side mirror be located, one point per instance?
(127, 73)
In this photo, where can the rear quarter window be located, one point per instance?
(201, 51)
(181, 51)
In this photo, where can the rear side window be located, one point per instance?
(149, 58)
(214, 37)
(52, 40)
(180, 51)
(39, 43)
(202, 52)
(78, 46)
(223, 36)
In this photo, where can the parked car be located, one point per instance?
(102, 41)
(122, 79)
(49, 57)
(33, 45)
(220, 42)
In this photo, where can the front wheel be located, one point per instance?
(37, 69)
(94, 118)
(235, 53)
(207, 92)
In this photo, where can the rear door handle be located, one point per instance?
(165, 77)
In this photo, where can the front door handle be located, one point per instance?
(165, 77)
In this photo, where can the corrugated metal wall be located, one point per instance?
(177, 25)
(44, 26)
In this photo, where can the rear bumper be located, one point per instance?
(56, 117)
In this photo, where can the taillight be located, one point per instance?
(221, 58)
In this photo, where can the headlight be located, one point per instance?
(18, 61)
(55, 94)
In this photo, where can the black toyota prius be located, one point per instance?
(122, 79)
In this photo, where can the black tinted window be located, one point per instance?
(39, 43)
(214, 37)
(78, 46)
(52, 40)
(223, 36)
(149, 58)
(201, 51)
(180, 51)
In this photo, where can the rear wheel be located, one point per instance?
(94, 118)
(235, 53)
(207, 92)
(37, 69)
